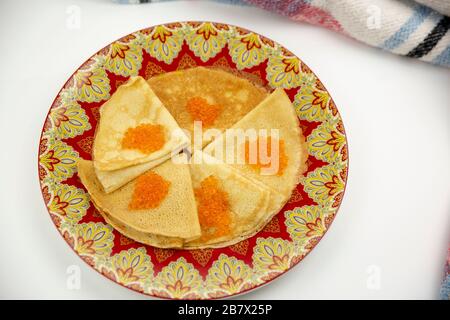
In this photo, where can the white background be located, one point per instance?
(395, 214)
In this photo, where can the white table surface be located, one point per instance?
(394, 221)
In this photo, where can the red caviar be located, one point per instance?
(150, 190)
(146, 138)
(213, 209)
(201, 110)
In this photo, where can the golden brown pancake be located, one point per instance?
(228, 97)
(207, 203)
(251, 203)
(171, 214)
(145, 238)
(134, 128)
(275, 112)
(234, 95)
(113, 180)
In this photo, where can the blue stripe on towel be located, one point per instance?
(419, 15)
(443, 59)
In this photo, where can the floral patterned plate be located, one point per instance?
(195, 274)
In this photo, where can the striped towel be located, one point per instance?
(445, 289)
(416, 29)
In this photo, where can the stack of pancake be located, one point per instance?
(148, 187)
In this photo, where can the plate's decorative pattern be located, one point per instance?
(123, 57)
(192, 274)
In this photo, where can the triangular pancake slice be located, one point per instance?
(135, 128)
(275, 112)
(142, 237)
(113, 180)
(250, 205)
(216, 97)
(143, 207)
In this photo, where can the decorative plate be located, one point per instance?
(196, 274)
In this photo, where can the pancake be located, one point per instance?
(227, 97)
(134, 128)
(249, 205)
(142, 205)
(275, 112)
(113, 180)
(145, 238)
(218, 198)
(237, 96)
